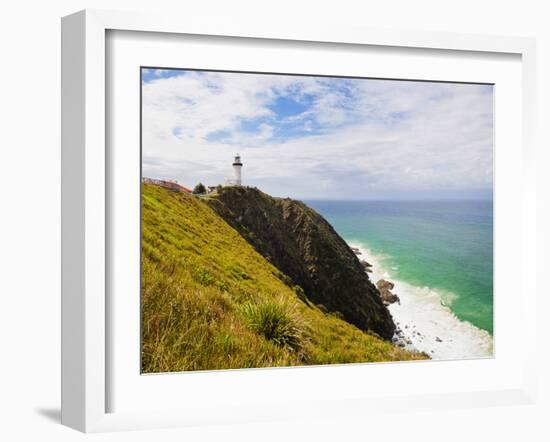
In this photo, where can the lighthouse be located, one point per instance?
(237, 167)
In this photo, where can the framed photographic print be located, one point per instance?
(250, 214)
(361, 231)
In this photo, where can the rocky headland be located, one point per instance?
(210, 300)
(310, 253)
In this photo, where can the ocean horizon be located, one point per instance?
(439, 254)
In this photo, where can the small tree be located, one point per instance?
(199, 189)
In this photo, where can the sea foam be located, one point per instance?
(425, 318)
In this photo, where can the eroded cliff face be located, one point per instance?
(305, 247)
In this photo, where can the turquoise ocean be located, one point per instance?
(441, 251)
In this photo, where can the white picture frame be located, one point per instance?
(85, 211)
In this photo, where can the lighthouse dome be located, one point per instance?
(237, 160)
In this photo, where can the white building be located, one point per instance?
(237, 172)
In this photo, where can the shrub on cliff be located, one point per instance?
(199, 189)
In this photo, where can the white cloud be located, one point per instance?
(359, 138)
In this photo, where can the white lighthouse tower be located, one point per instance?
(237, 167)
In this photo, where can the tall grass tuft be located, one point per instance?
(279, 321)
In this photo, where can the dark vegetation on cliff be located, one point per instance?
(210, 301)
(305, 247)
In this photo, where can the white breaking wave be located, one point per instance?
(427, 324)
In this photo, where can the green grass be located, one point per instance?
(210, 301)
(278, 320)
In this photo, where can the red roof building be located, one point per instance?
(172, 185)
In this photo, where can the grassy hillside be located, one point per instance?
(210, 301)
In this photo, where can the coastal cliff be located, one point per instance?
(210, 301)
(305, 247)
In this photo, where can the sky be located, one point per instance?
(312, 137)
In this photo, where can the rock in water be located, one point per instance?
(356, 250)
(382, 284)
(306, 248)
(384, 288)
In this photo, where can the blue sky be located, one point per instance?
(320, 137)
